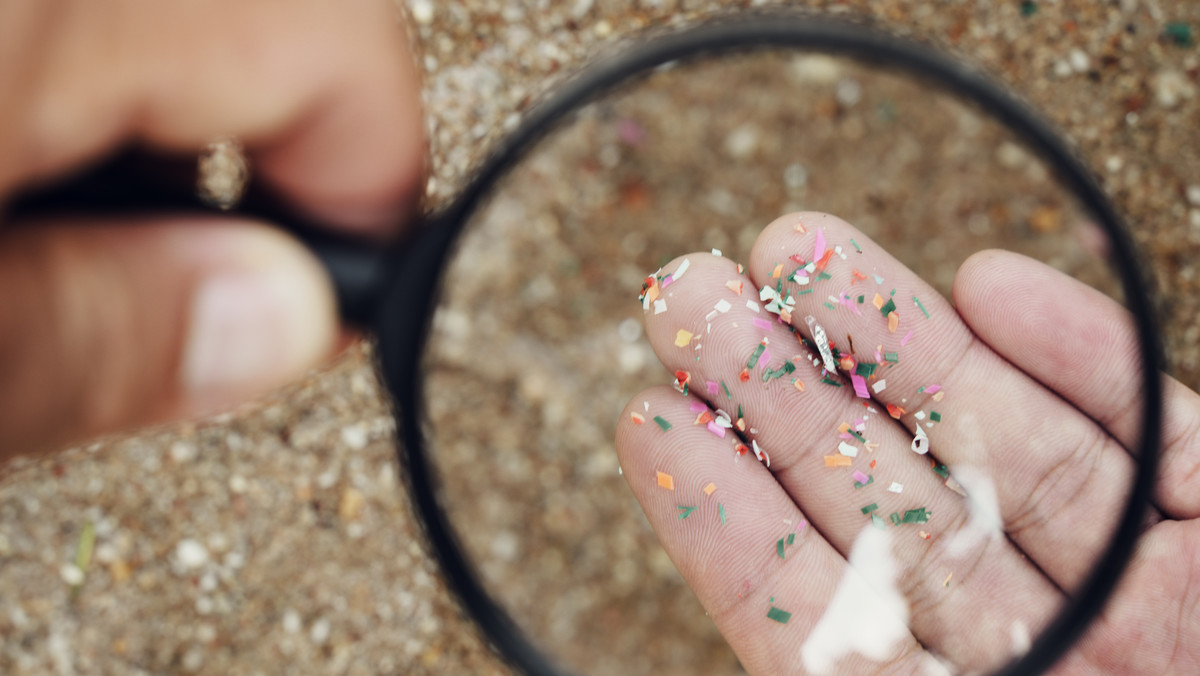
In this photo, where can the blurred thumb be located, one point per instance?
(107, 326)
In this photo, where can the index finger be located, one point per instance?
(324, 96)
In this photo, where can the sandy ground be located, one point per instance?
(278, 538)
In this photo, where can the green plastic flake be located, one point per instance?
(935, 416)
(893, 357)
(662, 422)
(942, 471)
(782, 371)
(824, 275)
(779, 548)
(916, 516)
(780, 616)
(721, 510)
(829, 305)
(858, 436)
(726, 388)
(861, 299)
(870, 480)
(888, 307)
(754, 357)
(791, 539)
(1180, 33)
(865, 369)
(870, 508)
(878, 522)
(895, 517)
(1028, 8)
(856, 246)
(740, 415)
(828, 381)
(804, 292)
(685, 511)
(923, 310)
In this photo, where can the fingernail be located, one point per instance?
(252, 330)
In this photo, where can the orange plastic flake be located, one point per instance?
(838, 461)
(895, 411)
(878, 302)
(846, 363)
(924, 534)
(939, 395)
(742, 449)
(799, 385)
(843, 428)
(741, 424)
(824, 259)
(873, 463)
(785, 313)
(708, 490)
(653, 291)
(775, 274)
(704, 418)
(666, 481)
(857, 277)
(893, 321)
(637, 418)
(799, 227)
(683, 377)
(734, 285)
(741, 268)
(682, 338)
(744, 376)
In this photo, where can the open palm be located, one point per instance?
(821, 394)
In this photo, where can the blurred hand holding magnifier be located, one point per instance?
(849, 471)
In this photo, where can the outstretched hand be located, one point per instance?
(821, 394)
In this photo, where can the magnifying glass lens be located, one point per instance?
(934, 473)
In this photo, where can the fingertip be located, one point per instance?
(977, 276)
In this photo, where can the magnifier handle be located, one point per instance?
(135, 182)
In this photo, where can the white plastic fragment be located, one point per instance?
(819, 337)
(683, 267)
(920, 442)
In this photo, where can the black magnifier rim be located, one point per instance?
(415, 280)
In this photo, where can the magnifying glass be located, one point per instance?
(510, 334)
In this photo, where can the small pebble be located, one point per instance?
(291, 622)
(355, 436)
(422, 11)
(238, 484)
(182, 452)
(1080, 61)
(71, 574)
(1172, 87)
(190, 553)
(319, 632)
(1193, 194)
(848, 92)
